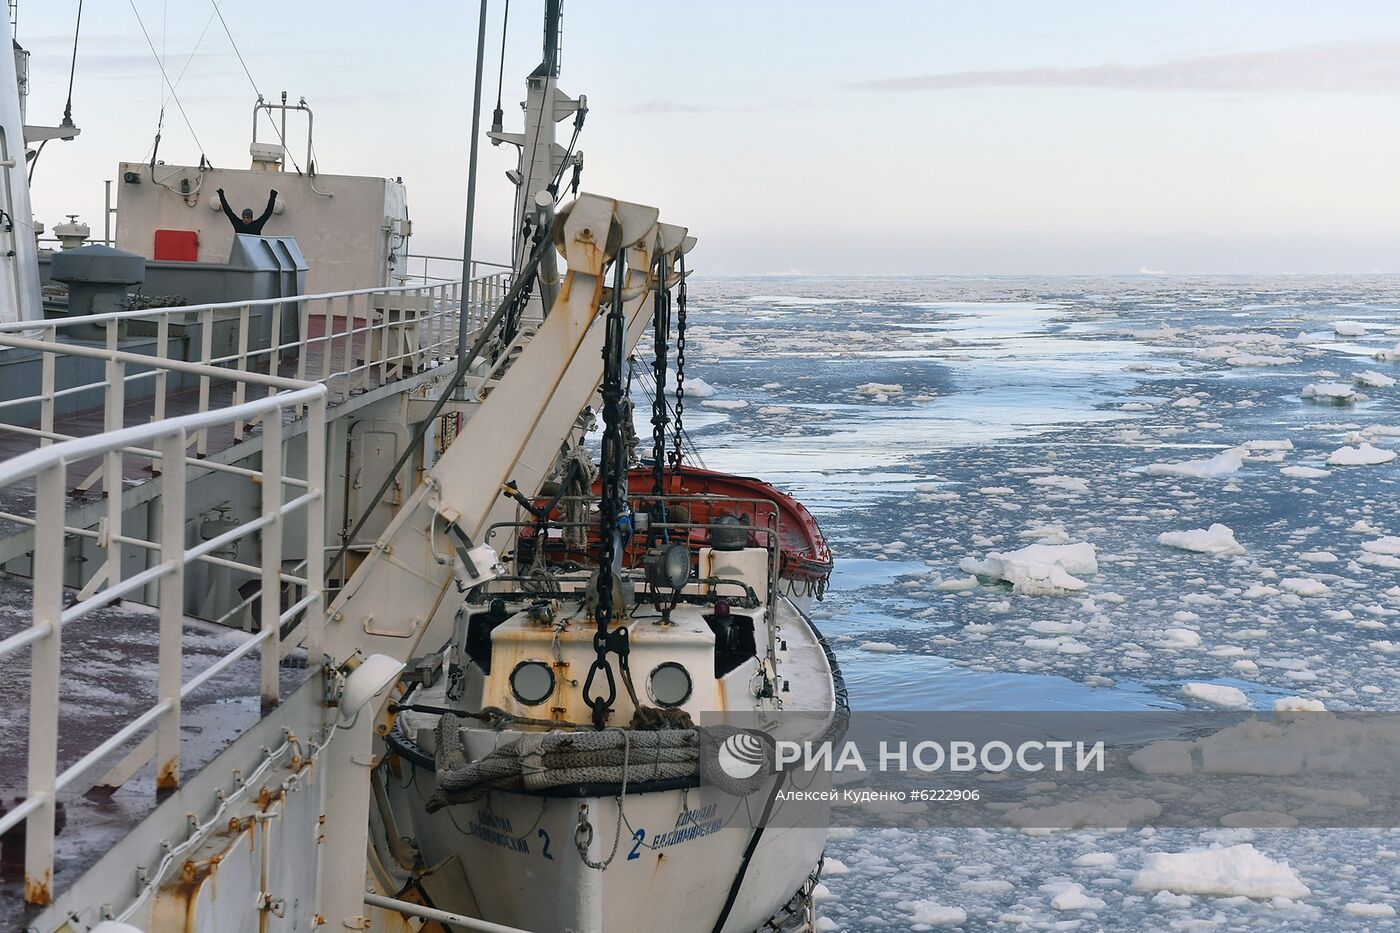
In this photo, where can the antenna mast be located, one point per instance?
(541, 158)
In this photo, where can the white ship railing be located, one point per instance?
(285, 498)
(447, 268)
(368, 338)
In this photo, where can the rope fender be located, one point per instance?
(541, 760)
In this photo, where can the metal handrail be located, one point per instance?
(48, 467)
(370, 337)
(136, 313)
(82, 448)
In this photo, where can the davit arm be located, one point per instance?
(400, 601)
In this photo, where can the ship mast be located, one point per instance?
(542, 159)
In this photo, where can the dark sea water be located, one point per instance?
(929, 420)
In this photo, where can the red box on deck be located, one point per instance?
(177, 245)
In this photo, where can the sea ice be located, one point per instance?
(1233, 871)
(934, 914)
(1304, 472)
(879, 388)
(1304, 586)
(1067, 483)
(1365, 455)
(1223, 464)
(1180, 638)
(1217, 695)
(695, 387)
(1038, 569)
(1373, 379)
(1336, 393)
(1218, 539)
(1298, 705)
(1074, 898)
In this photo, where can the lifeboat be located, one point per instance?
(805, 559)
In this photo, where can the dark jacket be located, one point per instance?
(253, 226)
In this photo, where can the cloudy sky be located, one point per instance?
(987, 137)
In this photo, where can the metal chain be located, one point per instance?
(680, 369)
(612, 471)
(660, 416)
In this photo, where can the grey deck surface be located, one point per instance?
(109, 678)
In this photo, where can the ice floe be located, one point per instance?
(1218, 540)
(1074, 898)
(1233, 871)
(1222, 464)
(933, 914)
(1362, 455)
(1373, 379)
(1336, 393)
(1304, 586)
(695, 387)
(1217, 695)
(1038, 569)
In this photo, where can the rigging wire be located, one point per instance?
(236, 51)
(72, 73)
(73, 65)
(529, 173)
(498, 118)
(165, 100)
(648, 387)
(174, 96)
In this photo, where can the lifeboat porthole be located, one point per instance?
(532, 682)
(669, 684)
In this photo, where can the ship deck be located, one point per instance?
(109, 664)
(342, 388)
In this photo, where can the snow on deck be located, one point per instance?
(109, 678)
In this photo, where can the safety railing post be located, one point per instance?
(206, 353)
(240, 389)
(371, 338)
(303, 339)
(328, 341)
(46, 405)
(274, 344)
(315, 526)
(350, 328)
(43, 684)
(162, 373)
(386, 315)
(271, 592)
(171, 603)
(112, 485)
